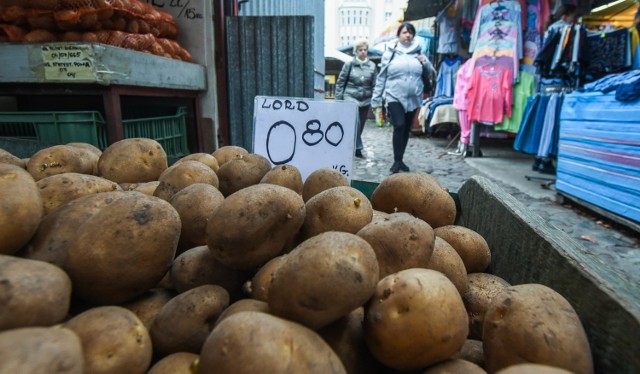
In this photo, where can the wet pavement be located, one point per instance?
(614, 245)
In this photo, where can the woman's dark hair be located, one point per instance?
(563, 10)
(408, 26)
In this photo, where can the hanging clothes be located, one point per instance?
(490, 94)
(461, 101)
(497, 31)
(449, 30)
(528, 137)
(610, 52)
(521, 91)
(445, 82)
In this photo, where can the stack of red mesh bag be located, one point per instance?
(129, 24)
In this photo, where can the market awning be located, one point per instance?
(417, 9)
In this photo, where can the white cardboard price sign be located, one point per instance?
(305, 133)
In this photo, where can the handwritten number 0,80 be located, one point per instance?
(312, 136)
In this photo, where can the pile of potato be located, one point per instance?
(115, 262)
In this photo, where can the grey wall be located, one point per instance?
(268, 56)
(313, 8)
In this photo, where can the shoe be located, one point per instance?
(404, 167)
(359, 153)
(546, 167)
(536, 164)
(395, 168)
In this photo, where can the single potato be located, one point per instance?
(194, 204)
(446, 260)
(32, 293)
(253, 225)
(113, 340)
(470, 245)
(59, 189)
(133, 160)
(531, 323)
(171, 332)
(241, 172)
(336, 209)
(182, 175)
(256, 342)
(400, 241)
(481, 289)
(205, 158)
(177, 363)
(41, 350)
(419, 194)
(320, 180)
(333, 273)
(285, 176)
(415, 318)
(60, 159)
(228, 153)
(21, 208)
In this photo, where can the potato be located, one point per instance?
(455, 366)
(21, 208)
(255, 342)
(148, 305)
(470, 245)
(346, 337)
(8, 158)
(114, 340)
(59, 189)
(194, 204)
(531, 323)
(60, 228)
(241, 172)
(41, 350)
(532, 369)
(184, 323)
(400, 241)
(182, 175)
(33, 293)
(258, 287)
(482, 288)
(197, 266)
(176, 363)
(419, 194)
(378, 215)
(336, 209)
(133, 242)
(320, 180)
(205, 158)
(133, 160)
(228, 153)
(285, 176)
(90, 147)
(60, 159)
(333, 273)
(253, 225)
(414, 319)
(147, 188)
(471, 351)
(446, 260)
(243, 305)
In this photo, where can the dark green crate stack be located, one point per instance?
(90, 127)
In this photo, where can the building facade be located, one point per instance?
(349, 20)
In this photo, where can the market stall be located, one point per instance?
(122, 64)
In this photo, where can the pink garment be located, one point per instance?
(461, 89)
(491, 94)
(465, 126)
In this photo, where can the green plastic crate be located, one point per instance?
(55, 127)
(169, 131)
(90, 127)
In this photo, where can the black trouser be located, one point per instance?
(363, 113)
(401, 122)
